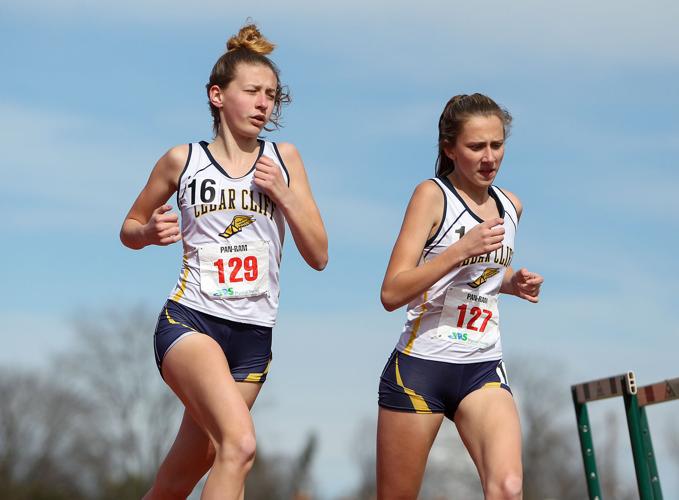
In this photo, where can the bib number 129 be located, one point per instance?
(248, 266)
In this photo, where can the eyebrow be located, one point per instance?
(258, 86)
(480, 143)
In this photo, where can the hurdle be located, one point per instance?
(588, 392)
(660, 392)
(635, 401)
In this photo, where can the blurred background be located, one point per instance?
(93, 93)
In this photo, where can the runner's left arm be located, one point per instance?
(522, 283)
(297, 203)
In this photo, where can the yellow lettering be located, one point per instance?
(259, 194)
(253, 205)
(243, 193)
(266, 204)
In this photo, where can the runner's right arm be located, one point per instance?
(404, 279)
(149, 221)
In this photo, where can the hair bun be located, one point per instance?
(250, 38)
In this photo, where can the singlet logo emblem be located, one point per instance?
(487, 273)
(237, 225)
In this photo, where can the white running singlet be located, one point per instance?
(233, 235)
(457, 320)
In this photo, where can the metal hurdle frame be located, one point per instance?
(660, 392)
(587, 392)
(635, 400)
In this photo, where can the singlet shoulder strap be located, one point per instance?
(181, 175)
(457, 203)
(508, 205)
(431, 240)
(286, 173)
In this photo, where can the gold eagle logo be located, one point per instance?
(488, 273)
(237, 225)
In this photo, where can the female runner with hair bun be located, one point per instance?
(451, 260)
(213, 337)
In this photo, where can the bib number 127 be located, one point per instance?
(476, 313)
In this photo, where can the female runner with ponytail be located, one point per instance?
(213, 337)
(450, 261)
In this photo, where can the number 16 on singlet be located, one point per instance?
(234, 270)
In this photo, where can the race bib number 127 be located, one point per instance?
(234, 270)
(469, 318)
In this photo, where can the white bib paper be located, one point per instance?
(234, 270)
(469, 318)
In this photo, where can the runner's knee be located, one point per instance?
(238, 452)
(506, 487)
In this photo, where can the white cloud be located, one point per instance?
(30, 337)
(653, 195)
(66, 166)
(400, 120)
(647, 192)
(361, 221)
(607, 31)
(597, 333)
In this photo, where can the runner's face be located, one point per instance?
(479, 150)
(248, 100)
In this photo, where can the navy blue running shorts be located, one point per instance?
(424, 386)
(247, 347)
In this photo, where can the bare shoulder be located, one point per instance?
(170, 166)
(176, 157)
(427, 201)
(422, 218)
(428, 191)
(161, 183)
(290, 155)
(178, 153)
(294, 165)
(515, 201)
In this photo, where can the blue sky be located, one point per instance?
(93, 93)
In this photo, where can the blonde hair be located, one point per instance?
(248, 46)
(250, 38)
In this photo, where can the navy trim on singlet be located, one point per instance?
(207, 165)
(444, 234)
(515, 222)
(493, 194)
(510, 200)
(443, 219)
(280, 158)
(179, 181)
(219, 167)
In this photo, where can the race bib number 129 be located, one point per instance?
(234, 270)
